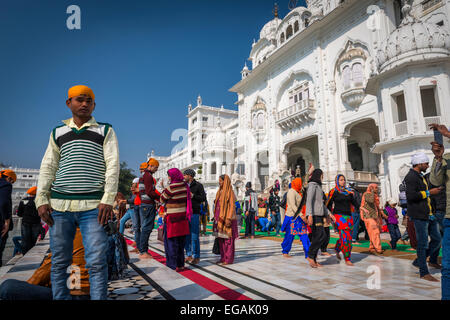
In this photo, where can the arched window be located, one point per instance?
(213, 168)
(347, 74)
(296, 26)
(289, 32)
(358, 74)
(260, 121)
(282, 38)
(254, 122)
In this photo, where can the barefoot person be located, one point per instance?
(340, 202)
(147, 211)
(371, 215)
(293, 226)
(316, 212)
(77, 185)
(177, 200)
(225, 223)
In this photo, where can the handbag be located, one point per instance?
(216, 248)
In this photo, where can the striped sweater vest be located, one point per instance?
(81, 169)
(175, 196)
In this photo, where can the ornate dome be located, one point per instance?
(217, 141)
(269, 31)
(412, 40)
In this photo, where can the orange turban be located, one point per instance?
(79, 90)
(297, 184)
(9, 173)
(32, 191)
(144, 165)
(153, 162)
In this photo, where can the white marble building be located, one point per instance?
(349, 86)
(26, 178)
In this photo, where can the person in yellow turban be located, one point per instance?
(147, 210)
(78, 181)
(32, 191)
(81, 101)
(153, 162)
(31, 222)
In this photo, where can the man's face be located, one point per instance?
(423, 167)
(81, 106)
(187, 178)
(277, 191)
(153, 168)
(10, 180)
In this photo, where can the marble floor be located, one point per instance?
(260, 272)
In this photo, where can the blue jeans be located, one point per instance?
(356, 219)
(95, 242)
(137, 227)
(13, 290)
(192, 245)
(263, 222)
(250, 224)
(445, 279)
(276, 222)
(17, 245)
(147, 213)
(440, 218)
(425, 228)
(30, 233)
(395, 234)
(127, 216)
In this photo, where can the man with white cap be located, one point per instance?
(419, 210)
(440, 175)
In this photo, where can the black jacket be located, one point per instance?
(274, 202)
(342, 203)
(198, 197)
(438, 201)
(419, 205)
(5, 201)
(27, 210)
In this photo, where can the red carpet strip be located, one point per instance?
(210, 285)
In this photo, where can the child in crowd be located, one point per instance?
(392, 223)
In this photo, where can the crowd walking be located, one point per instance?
(77, 199)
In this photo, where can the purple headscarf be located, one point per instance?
(176, 176)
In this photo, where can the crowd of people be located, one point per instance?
(77, 198)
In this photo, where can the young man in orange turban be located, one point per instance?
(78, 182)
(147, 212)
(31, 226)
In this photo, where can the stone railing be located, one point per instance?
(401, 128)
(363, 176)
(297, 114)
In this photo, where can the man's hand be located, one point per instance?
(438, 150)
(435, 191)
(4, 230)
(105, 213)
(310, 221)
(45, 212)
(332, 217)
(441, 128)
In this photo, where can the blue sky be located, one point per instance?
(145, 60)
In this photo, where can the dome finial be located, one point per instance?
(275, 10)
(199, 100)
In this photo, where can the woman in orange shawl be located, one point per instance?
(371, 215)
(225, 224)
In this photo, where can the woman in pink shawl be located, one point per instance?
(177, 201)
